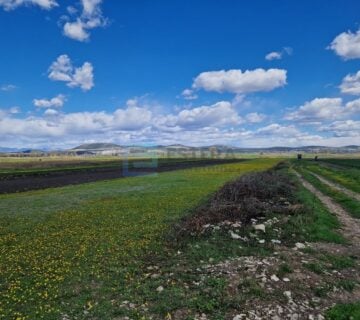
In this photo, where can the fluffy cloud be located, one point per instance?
(11, 111)
(218, 114)
(255, 117)
(12, 4)
(63, 70)
(236, 81)
(56, 102)
(189, 94)
(347, 45)
(351, 83)
(323, 109)
(90, 18)
(138, 122)
(275, 55)
(347, 128)
(51, 112)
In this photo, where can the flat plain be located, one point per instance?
(190, 243)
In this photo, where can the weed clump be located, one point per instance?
(249, 197)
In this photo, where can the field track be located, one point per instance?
(350, 225)
(48, 179)
(338, 187)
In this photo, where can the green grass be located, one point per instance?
(315, 223)
(351, 205)
(347, 285)
(344, 312)
(351, 163)
(75, 250)
(349, 177)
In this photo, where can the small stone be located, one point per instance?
(299, 245)
(286, 279)
(275, 241)
(260, 227)
(160, 289)
(239, 316)
(234, 235)
(274, 278)
(262, 241)
(287, 294)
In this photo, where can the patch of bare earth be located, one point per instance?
(266, 292)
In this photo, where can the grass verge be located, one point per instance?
(344, 312)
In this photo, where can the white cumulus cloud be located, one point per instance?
(189, 94)
(63, 70)
(351, 84)
(324, 109)
(278, 55)
(275, 55)
(56, 102)
(219, 114)
(347, 45)
(239, 82)
(255, 117)
(346, 128)
(13, 4)
(91, 17)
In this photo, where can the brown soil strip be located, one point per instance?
(338, 187)
(12, 184)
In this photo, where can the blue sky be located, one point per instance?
(246, 73)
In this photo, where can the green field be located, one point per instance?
(102, 250)
(63, 249)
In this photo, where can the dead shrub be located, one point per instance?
(249, 197)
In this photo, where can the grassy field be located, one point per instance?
(106, 250)
(73, 249)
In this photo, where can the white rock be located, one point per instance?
(239, 316)
(262, 241)
(286, 279)
(275, 241)
(287, 294)
(274, 278)
(234, 235)
(299, 245)
(260, 227)
(160, 289)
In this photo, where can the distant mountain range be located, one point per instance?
(111, 148)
